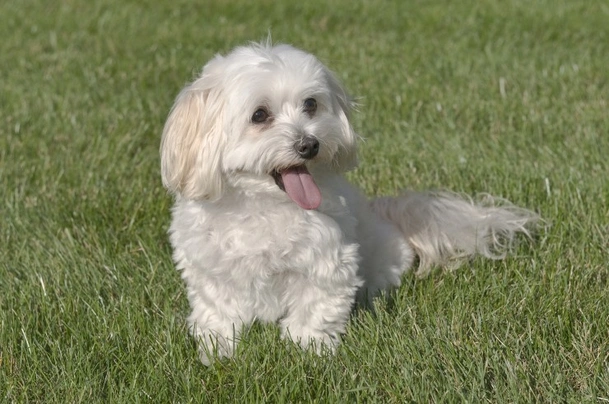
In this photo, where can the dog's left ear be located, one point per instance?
(342, 104)
(193, 140)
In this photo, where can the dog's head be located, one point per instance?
(271, 111)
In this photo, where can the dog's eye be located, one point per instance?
(260, 116)
(310, 106)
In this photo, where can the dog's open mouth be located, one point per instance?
(298, 183)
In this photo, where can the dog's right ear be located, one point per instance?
(192, 143)
(346, 158)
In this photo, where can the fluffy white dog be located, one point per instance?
(265, 227)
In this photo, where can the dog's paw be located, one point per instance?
(213, 346)
(208, 354)
(319, 342)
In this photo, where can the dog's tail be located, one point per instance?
(445, 229)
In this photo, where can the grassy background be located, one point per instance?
(506, 97)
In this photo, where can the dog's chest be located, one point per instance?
(259, 240)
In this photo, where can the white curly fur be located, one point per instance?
(248, 251)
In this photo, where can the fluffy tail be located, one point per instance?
(445, 229)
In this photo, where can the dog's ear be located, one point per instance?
(342, 104)
(192, 143)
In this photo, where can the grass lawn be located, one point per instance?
(505, 97)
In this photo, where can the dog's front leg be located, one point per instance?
(215, 326)
(317, 314)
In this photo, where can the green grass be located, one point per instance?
(505, 97)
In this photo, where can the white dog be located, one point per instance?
(265, 227)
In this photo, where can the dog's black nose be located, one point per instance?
(307, 147)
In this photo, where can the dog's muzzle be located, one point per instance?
(307, 147)
(296, 181)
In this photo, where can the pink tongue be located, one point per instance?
(301, 188)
